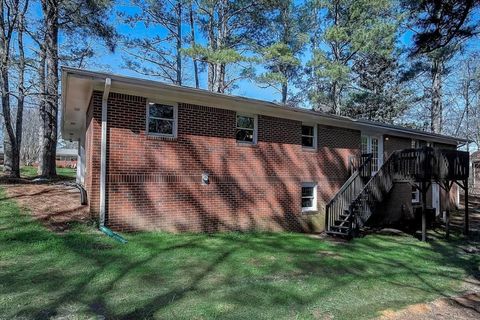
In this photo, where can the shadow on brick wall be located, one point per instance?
(237, 198)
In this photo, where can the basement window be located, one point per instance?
(246, 129)
(162, 119)
(309, 197)
(309, 136)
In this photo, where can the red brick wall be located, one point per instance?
(392, 143)
(92, 154)
(155, 183)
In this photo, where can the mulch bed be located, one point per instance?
(463, 307)
(56, 204)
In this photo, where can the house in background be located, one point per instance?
(65, 158)
(154, 156)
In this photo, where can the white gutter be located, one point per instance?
(103, 152)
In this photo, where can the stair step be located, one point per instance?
(341, 227)
(336, 233)
(339, 222)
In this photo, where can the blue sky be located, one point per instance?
(114, 62)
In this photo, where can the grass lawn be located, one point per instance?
(31, 172)
(83, 274)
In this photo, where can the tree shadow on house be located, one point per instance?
(256, 187)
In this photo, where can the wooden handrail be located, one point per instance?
(417, 165)
(363, 205)
(351, 178)
(336, 206)
(358, 199)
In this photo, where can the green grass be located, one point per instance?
(31, 172)
(83, 273)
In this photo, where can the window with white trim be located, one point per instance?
(414, 143)
(246, 128)
(309, 136)
(415, 195)
(309, 196)
(162, 119)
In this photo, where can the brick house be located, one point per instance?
(154, 156)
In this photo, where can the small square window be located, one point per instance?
(162, 119)
(309, 196)
(246, 129)
(309, 136)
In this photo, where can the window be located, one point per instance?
(246, 129)
(415, 195)
(309, 136)
(309, 196)
(162, 119)
(374, 151)
(372, 145)
(364, 144)
(414, 144)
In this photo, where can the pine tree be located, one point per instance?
(347, 28)
(378, 94)
(281, 46)
(229, 27)
(441, 23)
(441, 27)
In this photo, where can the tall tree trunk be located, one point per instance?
(211, 76)
(192, 44)
(41, 102)
(221, 78)
(11, 149)
(212, 46)
(49, 114)
(220, 68)
(336, 98)
(21, 83)
(284, 92)
(179, 42)
(285, 16)
(436, 112)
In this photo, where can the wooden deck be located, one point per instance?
(358, 198)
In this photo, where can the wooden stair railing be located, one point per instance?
(335, 208)
(357, 200)
(374, 192)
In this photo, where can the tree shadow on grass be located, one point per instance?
(258, 270)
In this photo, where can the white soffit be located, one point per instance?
(76, 94)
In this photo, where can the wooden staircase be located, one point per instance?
(357, 200)
(339, 219)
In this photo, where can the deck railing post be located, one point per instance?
(424, 211)
(447, 225)
(466, 222)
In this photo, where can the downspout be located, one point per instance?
(103, 153)
(103, 166)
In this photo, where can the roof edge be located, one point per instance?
(261, 103)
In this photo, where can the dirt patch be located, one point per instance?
(463, 307)
(55, 205)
